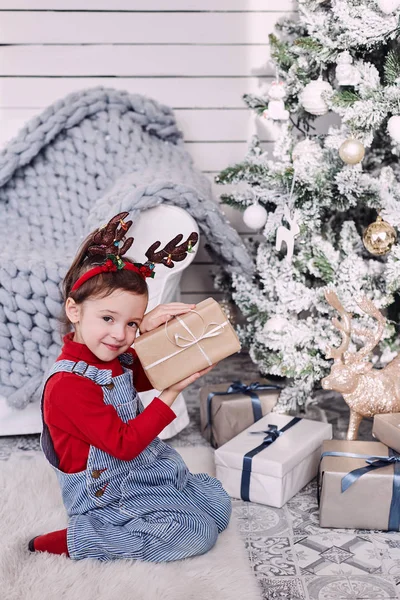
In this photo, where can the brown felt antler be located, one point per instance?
(107, 240)
(173, 251)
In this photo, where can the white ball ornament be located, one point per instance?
(255, 216)
(311, 97)
(352, 151)
(393, 128)
(388, 6)
(276, 323)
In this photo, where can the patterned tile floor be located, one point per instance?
(291, 556)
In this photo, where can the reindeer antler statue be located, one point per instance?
(366, 390)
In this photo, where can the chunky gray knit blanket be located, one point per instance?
(85, 158)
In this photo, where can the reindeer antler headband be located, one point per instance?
(110, 242)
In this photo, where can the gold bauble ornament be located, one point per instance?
(379, 237)
(351, 151)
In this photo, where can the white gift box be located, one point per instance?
(280, 469)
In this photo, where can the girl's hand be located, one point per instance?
(161, 313)
(170, 394)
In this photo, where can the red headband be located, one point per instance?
(111, 266)
(109, 243)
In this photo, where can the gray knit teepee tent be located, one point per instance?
(88, 156)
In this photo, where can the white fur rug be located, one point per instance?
(30, 504)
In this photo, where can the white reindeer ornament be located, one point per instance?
(366, 390)
(287, 235)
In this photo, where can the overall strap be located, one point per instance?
(99, 376)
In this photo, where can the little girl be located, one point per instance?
(127, 493)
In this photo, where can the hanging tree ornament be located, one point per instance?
(255, 216)
(287, 235)
(388, 6)
(283, 234)
(393, 128)
(276, 323)
(311, 97)
(346, 74)
(276, 106)
(379, 237)
(352, 151)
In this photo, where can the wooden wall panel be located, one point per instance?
(197, 56)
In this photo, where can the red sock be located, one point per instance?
(54, 542)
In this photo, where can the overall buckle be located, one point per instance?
(78, 372)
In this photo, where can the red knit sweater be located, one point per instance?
(77, 417)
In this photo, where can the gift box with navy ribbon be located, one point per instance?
(386, 429)
(227, 409)
(359, 486)
(272, 459)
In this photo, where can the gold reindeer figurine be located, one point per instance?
(366, 390)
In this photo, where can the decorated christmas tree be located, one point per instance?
(327, 201)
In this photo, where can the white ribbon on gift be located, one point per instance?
(184, 342)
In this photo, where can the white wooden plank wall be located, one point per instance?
(198, 56)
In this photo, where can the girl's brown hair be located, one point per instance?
(99, 286)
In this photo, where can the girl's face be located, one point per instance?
(107, 325)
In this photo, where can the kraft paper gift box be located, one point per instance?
(386, 429)
(186, 344)
(227, 409)
(288, 459)
(371, 493)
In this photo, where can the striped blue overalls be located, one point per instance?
(150, 508)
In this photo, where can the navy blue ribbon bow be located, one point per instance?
(237, 387)
(272, 434)
(373, 463)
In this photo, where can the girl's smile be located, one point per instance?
(111, 347)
